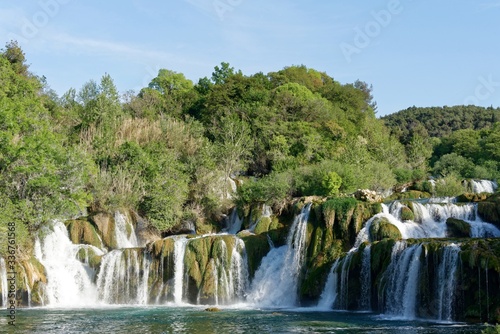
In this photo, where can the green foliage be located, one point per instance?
(449, 186)
(491, 330)
(331, 183)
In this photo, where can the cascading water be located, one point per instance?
(239, 269)
(266, 213)
(402, 281)
(430, 221)
(366, 280)
(124, 232)
(69, 281)
(447, 281)
(4, 288)
(343, 295)
(123, 277)
(179, 252)
(276, 281)
(234, 223)
(483, 186)
(329, 294)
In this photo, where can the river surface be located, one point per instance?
(174, 319)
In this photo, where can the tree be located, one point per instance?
(234, 144)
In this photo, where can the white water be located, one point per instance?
(69, 281)
(329, 294)
(179, 252)
(234, 223)
(343, 295)
(430, 221)
(4, 288)
(483, 186)
(366, 280)
(239, 270)
(276, 281)
(123, 238)
(402, 281)
(446, 280)
(122, 279)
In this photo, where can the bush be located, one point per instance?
(449, 186)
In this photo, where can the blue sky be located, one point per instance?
(413, 52)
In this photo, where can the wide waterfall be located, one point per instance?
(402, 278)
(276, 281)
(123, 277)
(483, 186)
(69, 280)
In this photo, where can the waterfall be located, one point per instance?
(276, 280)
(234, 223)
(266, 213)
(239, 270)
(402, 281)
(446, 281)
(329, 294)
(179, 252)
(123, 277)
(4, 288)
(483, 186)
(366, 280)
(69, 281)
(430, 221)
(124, 232)
(343, 296)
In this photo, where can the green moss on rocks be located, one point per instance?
(263, 225)
(83, 232)
(410, 194)
(257, 247)
(457, 228)
(489, 210)
(106, 226)
(407, 214)
(471, 197)
(381, 228)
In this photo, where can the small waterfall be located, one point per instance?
(366, 280)
(446, 281)
(4, 288)
(276, 281)
(234, 223)
(483, 186)
(266, 213)
(329, 294)
(402, 281)
(239, 270)
(124, 232)
(343, 296)
(179, 252)
(69, 280)
(123, 277)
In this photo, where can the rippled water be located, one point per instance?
(154, 319)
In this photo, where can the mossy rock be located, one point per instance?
(471, 197)
(106, 226)
(457, 228)
(407, 214)
(381, 229)
(89, 256)
(213, 309)
(263, 225)
(489, 210)
(410, 194)
(83, 232)
(257, 247)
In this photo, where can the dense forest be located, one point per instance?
(175, 151)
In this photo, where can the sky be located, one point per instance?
(414, 52)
